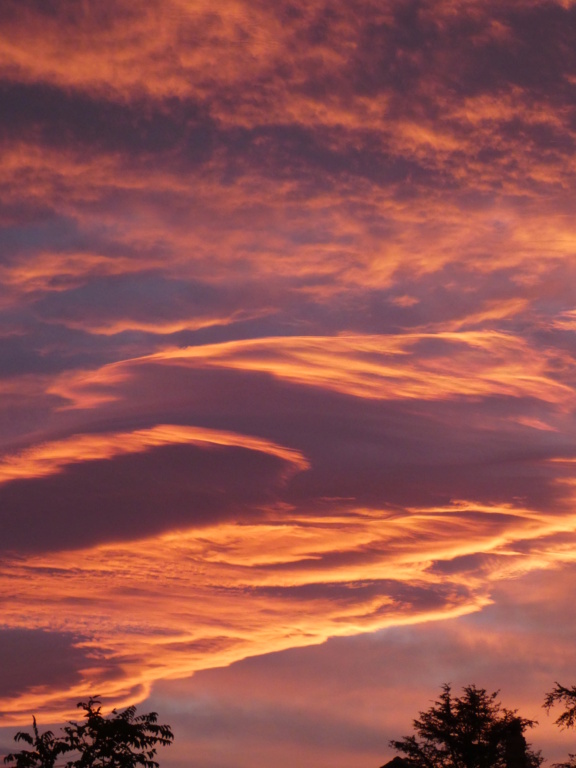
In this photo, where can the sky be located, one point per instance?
(287, 367)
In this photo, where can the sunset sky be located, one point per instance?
(287, 367)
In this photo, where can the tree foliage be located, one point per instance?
(561, 695)
(567, 719)
(472, 731)
(121, 740)
(47, 749)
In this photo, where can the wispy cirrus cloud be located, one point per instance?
(407, 366)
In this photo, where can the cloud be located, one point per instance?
(51, 458)
(135, 494)
(170, 605)
(286, 296)
(145, 302)
(39, 660)
(386, 481)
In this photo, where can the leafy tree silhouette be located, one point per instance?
(472, 731)
(47, 749)
(121, 740)
(566, 696)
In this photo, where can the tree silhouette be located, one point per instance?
(567, 719)
(47, 749)
(472, 731)
(121, 740)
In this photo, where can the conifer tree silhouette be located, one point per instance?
(470, 731)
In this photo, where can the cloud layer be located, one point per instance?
(286, 330)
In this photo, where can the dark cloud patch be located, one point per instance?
(34, 658)
(370, 451)
(395, 453)
(554, 138)
(60, 118)
(537, 53)
(274, 325)
(49, 348)
(321, 157)
(145, 297)
(477, 563)
(419, 597)
(70, 15)
(383, 472)
(203, 645)
(135, 496)
(455, 293)
(496, 46)
(393, 52)
(51, 234)
(58, 232)
(18, 356)
(42, 348)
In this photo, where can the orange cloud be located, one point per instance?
(470, 364)
(50, 458)
(50, 271)
(171, 605)
(345, 254)
(192, 48)
(167, 606)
